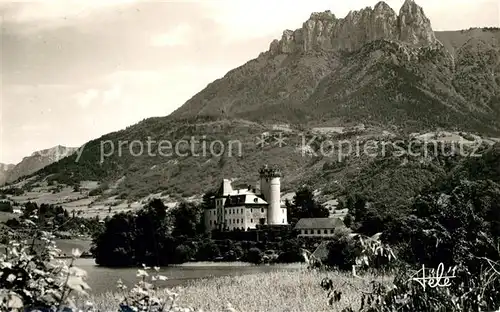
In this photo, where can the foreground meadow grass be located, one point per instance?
(297, 291)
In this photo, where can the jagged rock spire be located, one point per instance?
(323, 31)
(414, 26)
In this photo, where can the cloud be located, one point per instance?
(36, 129)
(248, 19)
(53, 10)
(174, 37)
(98, 97)
(133, 77)
(86, 98)
(112, 95)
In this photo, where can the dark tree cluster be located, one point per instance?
(305, 206)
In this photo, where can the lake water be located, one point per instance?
(104, 279)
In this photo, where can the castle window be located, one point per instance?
(241, 210)
(283, 221)
(255, 200)
(241, 220)
(210, 222)
(251, 220)
(319, 232)
(331, 231)
(238, 221)
(261, 209)
(304, 231)
(326, 232)
(251, 209)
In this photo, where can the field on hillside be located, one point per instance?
(277, 292)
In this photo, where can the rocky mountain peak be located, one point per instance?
(37, 161)
(6, 167)
(414, 26)
(324, 32)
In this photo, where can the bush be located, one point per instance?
(207, 251)
(253, 255)
(342, 251)
(6, 206)
(183, 253)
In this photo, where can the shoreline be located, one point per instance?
(203, 264)
(236, 264)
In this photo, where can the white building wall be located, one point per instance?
(254, 214)
(235, 217)
(210, 216)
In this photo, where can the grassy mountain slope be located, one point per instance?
(386, 85)
(455, 85)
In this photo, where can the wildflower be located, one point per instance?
(11, 278)
(5, 265)
(14, 252)
(76, 252)
(89, 304)
(162, 278)
(77, 272)
(77, 284)
(15, 302)
(142, 273)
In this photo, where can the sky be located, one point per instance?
(72, 71)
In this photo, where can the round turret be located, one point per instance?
(270, 187)
(266, 172)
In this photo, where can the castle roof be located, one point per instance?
(319, 223)
(244, 199)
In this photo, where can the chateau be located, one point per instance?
(245, 209)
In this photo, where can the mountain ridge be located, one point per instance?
(324, 31)
(36, 161)
(286, 83)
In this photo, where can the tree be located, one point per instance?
(6, 206)
(186, 219)
(305, 206)
(150, 226)
(30, 208)
(115, 245)
(208, 201)
(452, 226)
(133, 239)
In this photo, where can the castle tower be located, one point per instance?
(270, 188)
